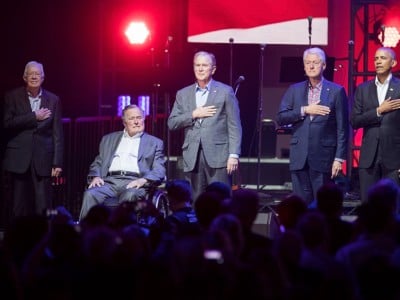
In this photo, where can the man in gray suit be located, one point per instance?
(127, 161)
(317, 109)
(208, 111)
(376, 111)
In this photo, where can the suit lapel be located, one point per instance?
(142, 146)
(115, 143)
(191, 96)
(212, 93)
(326, 88)
(394, 88)
(25, 105)
(44, 101)
(373, 94)
(305, 93)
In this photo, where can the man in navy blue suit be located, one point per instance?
(376, 111)
(317, 109)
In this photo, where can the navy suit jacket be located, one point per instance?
(151, 159)
(28, 140)
(219, 135)
(320, 140)
(383, 130)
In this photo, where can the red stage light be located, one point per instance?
(390, 33)
(389, 37)
(137, 32)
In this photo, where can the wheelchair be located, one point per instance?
(155, 195)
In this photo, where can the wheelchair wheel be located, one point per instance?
(160, 201)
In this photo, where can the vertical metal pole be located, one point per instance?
(260, 111)
(231, 61)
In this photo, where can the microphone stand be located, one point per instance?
(237, 87)
(231, 61)
(260, 110)
(309, 30)
(236, 180)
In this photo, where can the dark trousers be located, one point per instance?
(203, 175)
(370, 176)
(306, 183)
(32, 194)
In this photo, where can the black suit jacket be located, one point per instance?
(383, 131)
(31, 141)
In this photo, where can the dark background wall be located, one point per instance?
(88, 62)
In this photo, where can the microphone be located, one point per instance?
(383, 33)
(239, 80)
(309, 25)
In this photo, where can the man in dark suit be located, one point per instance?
(317, 110)
(208, 111)
(34, 142)
(376, 111)
(128, 160)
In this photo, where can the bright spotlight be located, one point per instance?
(389, 37)
(137, 32)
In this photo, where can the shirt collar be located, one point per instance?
(136, 136)
(385, 82)
(38, 95)
(318, 86)
(207, 87)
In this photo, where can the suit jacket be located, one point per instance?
(219, 135)
(28, 140)
(151, 159)
(383, 130)
(320, 140)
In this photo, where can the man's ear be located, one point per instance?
(394, 63)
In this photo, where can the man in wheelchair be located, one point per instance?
(129, 163)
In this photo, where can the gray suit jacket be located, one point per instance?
(151, 159)
(219, 135)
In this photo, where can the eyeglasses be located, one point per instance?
(30, 75)
(308, 63)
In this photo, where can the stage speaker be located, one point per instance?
(268, 139)
(266, 224)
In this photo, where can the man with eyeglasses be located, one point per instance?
(318, 112)
(208, 112)
(128, 161)
(34, 142)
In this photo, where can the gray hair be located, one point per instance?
(209, 54)
(316, 51)
(31, 64)
(133, 106)
(389, 51)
